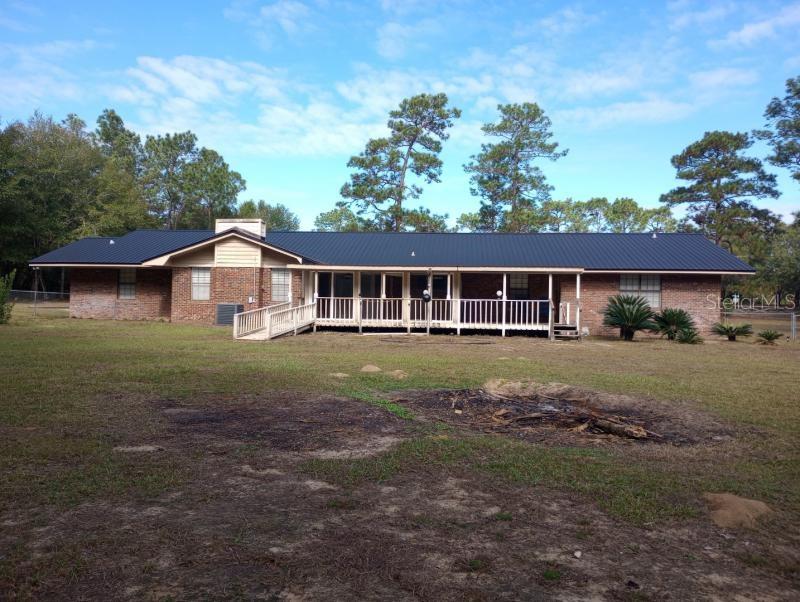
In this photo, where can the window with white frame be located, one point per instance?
(127, 283)
(647, 286)
(518, 286)
(281, 283)
(201, 284)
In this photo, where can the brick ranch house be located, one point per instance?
(270, 283)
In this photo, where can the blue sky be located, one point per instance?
(288, 90)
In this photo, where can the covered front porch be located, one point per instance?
(453, 299)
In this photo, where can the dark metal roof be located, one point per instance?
(667, 252)
(132, 248)
(679, 252)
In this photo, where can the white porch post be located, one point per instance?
(503, 329)
(457, 301)
(430, 303)
(357, 299)
(550, 304)
(315, 299)
(407, 301)
(578, 303)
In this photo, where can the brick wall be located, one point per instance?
(228, 285)
(93, 294)
(480, 285)
(689, 292)
(297, 288)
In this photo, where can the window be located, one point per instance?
(324, 284)
(642, 285)
(518, 285)
(127, 283)
(343, 284)
(439, 286)
(280, 285)
(370, 285)
(201, 284)
(394, 286)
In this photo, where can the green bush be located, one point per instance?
(768, 337)
(732, 330)
(671, 321)
(689, 336)
(6, 282)
(629, 313)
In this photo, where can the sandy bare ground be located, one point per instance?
(250, 522)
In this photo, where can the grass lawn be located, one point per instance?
(253, 490)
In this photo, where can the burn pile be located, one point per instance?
(555, 413)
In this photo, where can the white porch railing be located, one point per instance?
(253, 320)
(380, 312)
(522, 314)
(335, 308)
(289, 319)
(274, 320)
(474, 314)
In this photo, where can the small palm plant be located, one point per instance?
(670, 322)
(732, 330)
(629, 313)
(768, 337)
(689, 336)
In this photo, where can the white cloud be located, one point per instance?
(13, 24)
(683, 14)
(650, 110)
(787, 19)
(31, 75)
(292, 16)
(566, 21)
(201, 79)
(395, 40)
(582, 84)
(722, 78)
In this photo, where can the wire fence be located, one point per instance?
(784, 322)
(20, 296)
(41, 304)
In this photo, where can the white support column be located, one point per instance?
(407, 301)
(457, 301)
(429, 308)
(357, 299)
(578, 303)
(503, 328)
(315, 296)
(382, 295)
(550, 308)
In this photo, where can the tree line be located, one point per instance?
(722, 182)
(60, 181)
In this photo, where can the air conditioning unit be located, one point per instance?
(225, 312)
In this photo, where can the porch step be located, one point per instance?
(566, 332)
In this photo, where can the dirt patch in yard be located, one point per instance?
(326, 424)
(250, 522)
(560, 414)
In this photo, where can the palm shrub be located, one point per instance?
(629, 313)
(671, 321)
(688, 335)
(6, 282)
(732, 330)
(768, 337)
